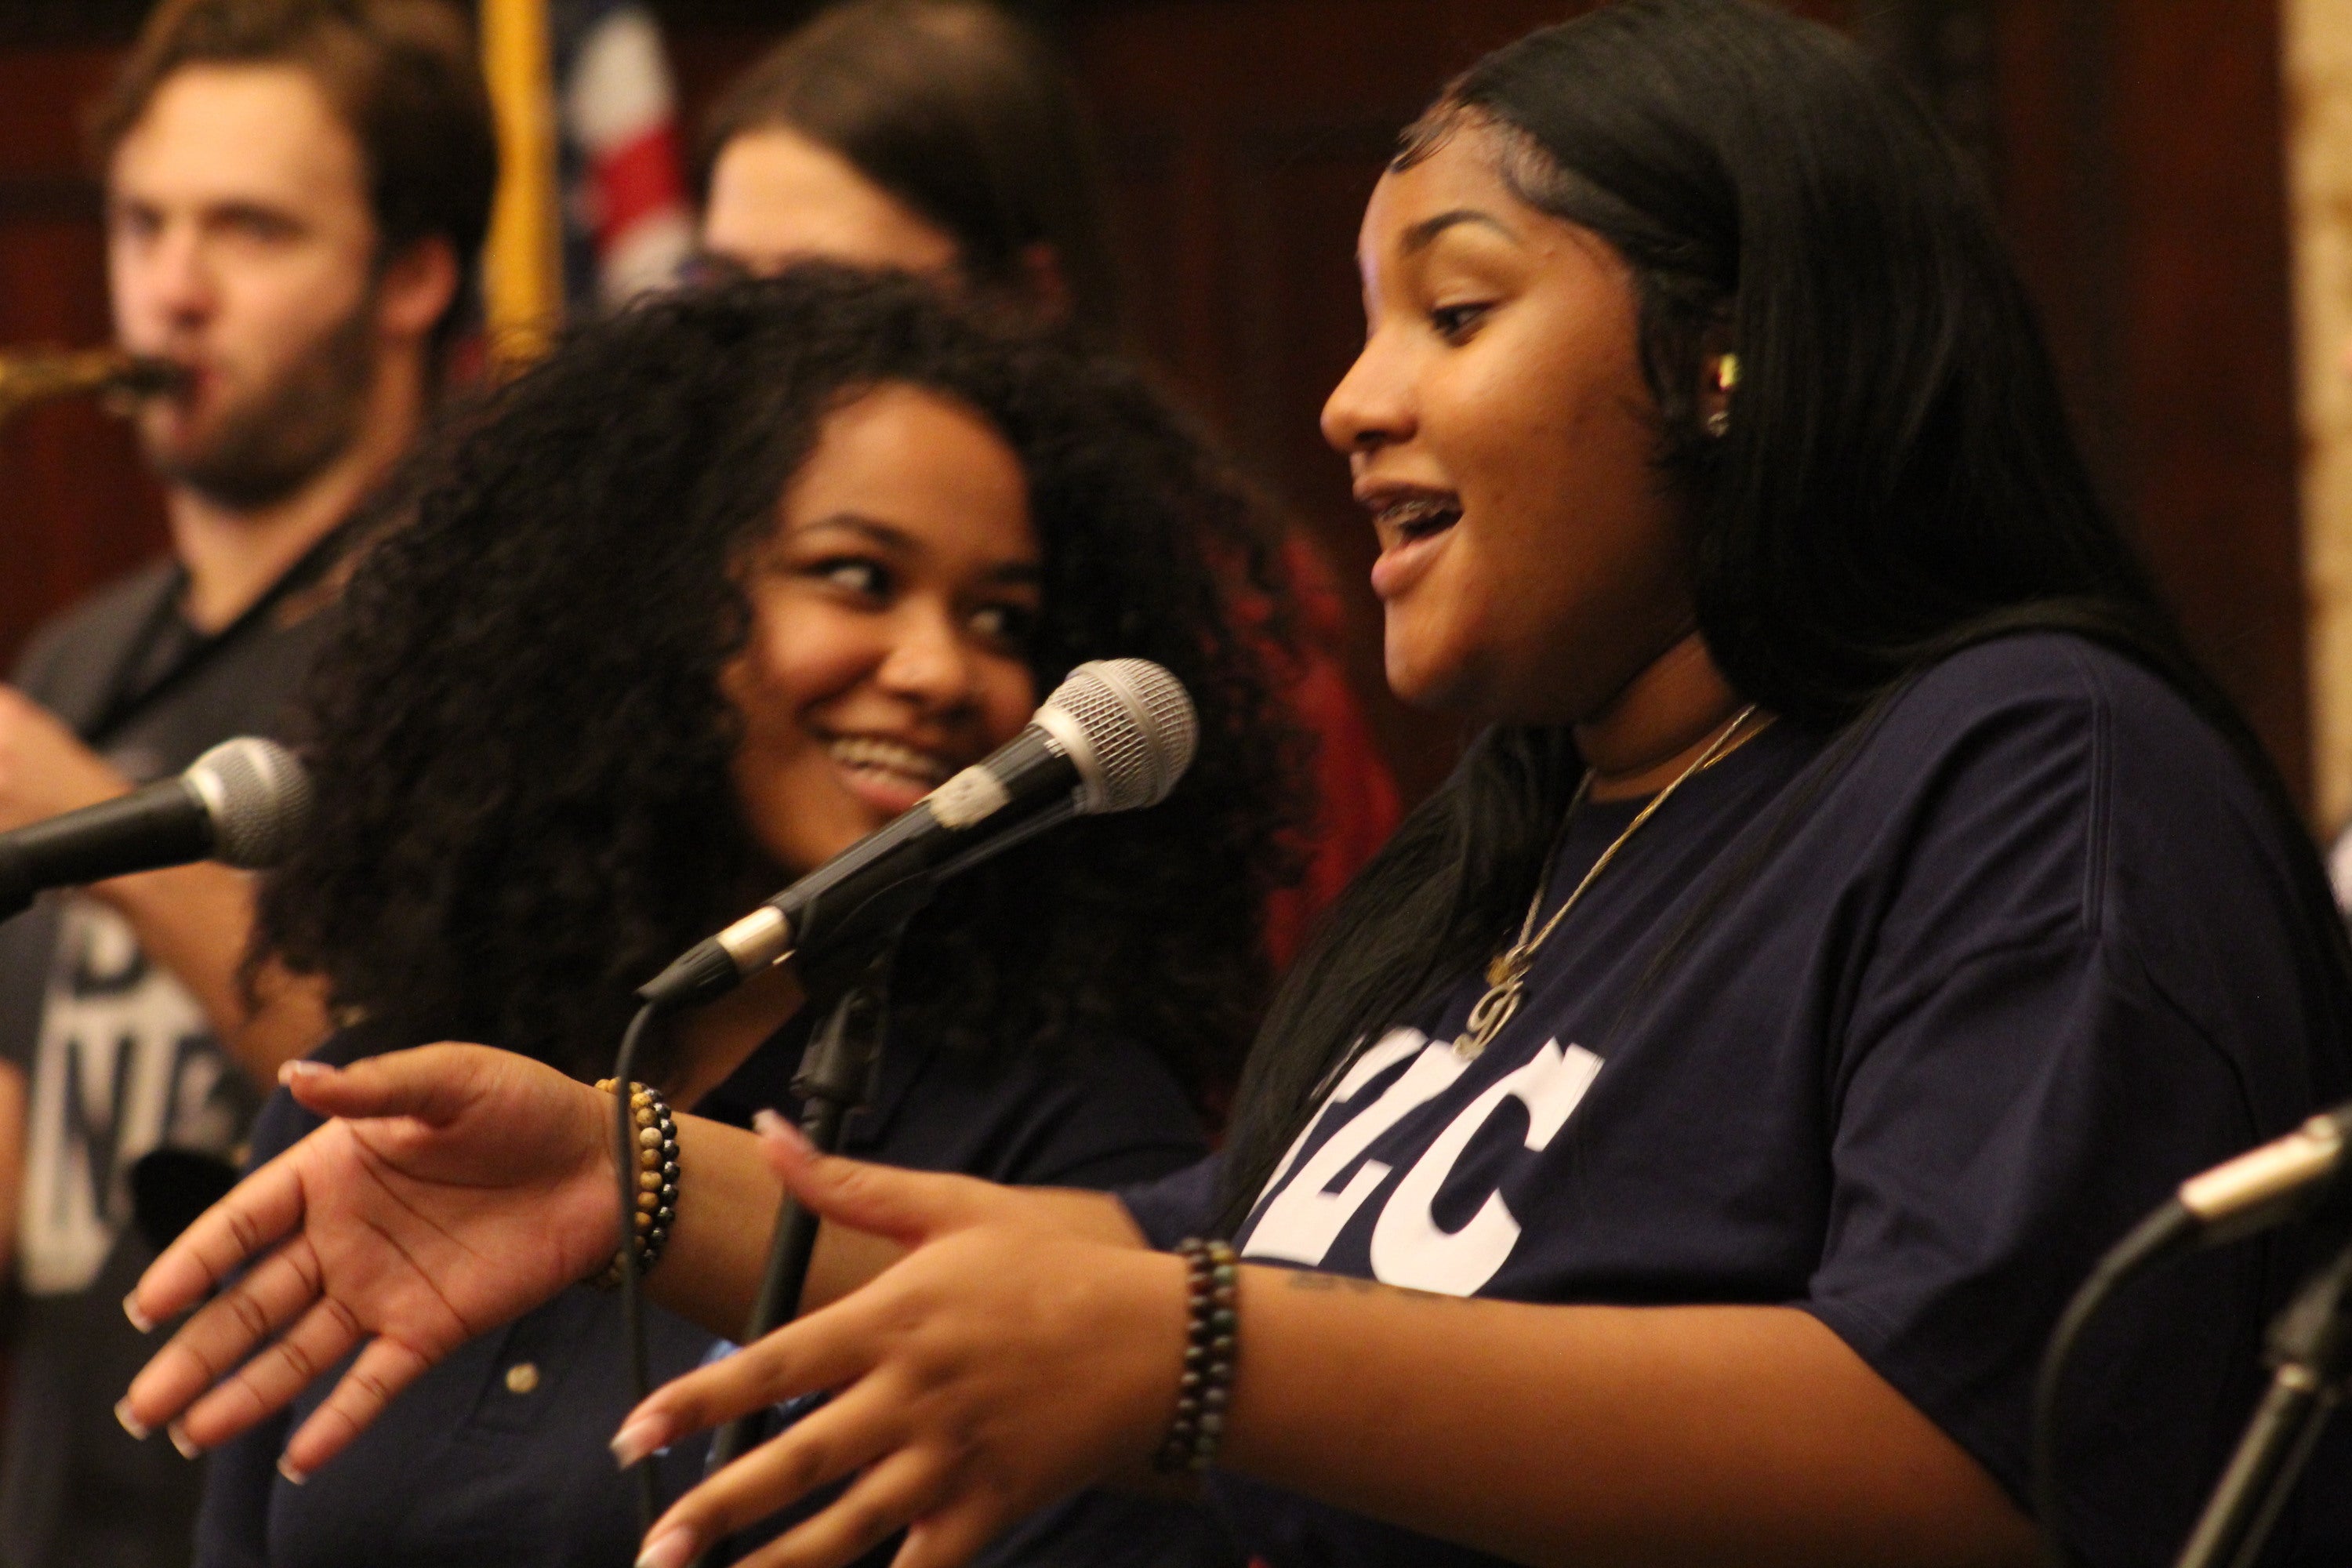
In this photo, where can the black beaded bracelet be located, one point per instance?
(1211, 1275)
(657, 1177)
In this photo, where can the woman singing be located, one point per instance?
(1857, 911)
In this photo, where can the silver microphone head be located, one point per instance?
(258, 796)
(1129, 727)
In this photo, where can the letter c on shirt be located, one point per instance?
(1408, 1249)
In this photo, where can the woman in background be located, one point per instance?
(939, 137)
(716, 590)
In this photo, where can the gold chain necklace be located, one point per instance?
(1506, 976)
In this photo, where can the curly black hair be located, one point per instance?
(521, 752)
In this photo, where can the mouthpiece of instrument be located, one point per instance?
(143, 376)
(32, 376)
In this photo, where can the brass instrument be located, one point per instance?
(31, 376)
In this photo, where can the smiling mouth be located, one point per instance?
(890, 762)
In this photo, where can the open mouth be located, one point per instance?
(1407, 517)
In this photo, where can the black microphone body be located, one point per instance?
(839, 902)
(1115, 736)
(241, 802)
(166, 823)
(866, 889)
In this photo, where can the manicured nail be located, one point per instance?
(673, 1548)
(768, 1124)
(138, 1319)
(182, 1441)
(131, 1424)
(637, 1438)
(285, 1467)
(290, 1071)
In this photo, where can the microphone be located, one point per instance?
(2267, 1186)
(1116, 735)
(243, 802)
(2279, 1180)
(2282, 1180)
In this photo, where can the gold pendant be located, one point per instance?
(1488, 1018)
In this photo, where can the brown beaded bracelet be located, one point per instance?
(1213, 1275)
(657, 1177)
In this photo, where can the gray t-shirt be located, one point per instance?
(118, 1061)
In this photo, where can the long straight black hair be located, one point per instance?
(1897, 480)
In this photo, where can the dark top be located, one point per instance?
(118, 1061)
(1963, 1001)
(478, 1463)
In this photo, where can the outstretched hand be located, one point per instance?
(1026, 1347)
(456, 1188)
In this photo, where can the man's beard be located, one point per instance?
(287, 435)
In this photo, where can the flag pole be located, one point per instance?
(522, 263)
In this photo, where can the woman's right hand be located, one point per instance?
(456, 1188)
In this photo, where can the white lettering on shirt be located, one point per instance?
(1392, 1047)
(1408, 1247)
(124, 1064)
(1303, 1221)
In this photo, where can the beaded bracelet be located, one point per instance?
(656, 1178)
(1212, 1274)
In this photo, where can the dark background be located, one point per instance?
(2134, 148)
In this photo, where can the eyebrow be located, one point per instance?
(900, 542)
(1422, 235)
(878, 531)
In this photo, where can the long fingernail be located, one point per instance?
(285, 1467)
(138, 1319)
(635, 1439)
(131, 1424)
(768, 1124)
(673, 1548)
(182, 1441)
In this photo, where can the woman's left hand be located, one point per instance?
(1009, 1359)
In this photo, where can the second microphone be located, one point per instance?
(1116, 734)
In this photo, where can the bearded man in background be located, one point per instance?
(294, 192)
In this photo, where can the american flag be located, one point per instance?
(626, 227)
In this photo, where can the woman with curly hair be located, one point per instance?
(604, 689)
(942, 138)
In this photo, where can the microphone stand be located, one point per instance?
(837, 1077)
(2310, 1348)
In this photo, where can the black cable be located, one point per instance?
(633, 1311)
(2151, 1240)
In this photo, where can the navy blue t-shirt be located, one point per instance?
(1902, 1029)
(498, 1455)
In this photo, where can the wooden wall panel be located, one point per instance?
(2207, 354)
(2140, 168)
(75, 507)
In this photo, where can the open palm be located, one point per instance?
(456, 1188)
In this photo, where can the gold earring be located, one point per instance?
(1727, 377)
